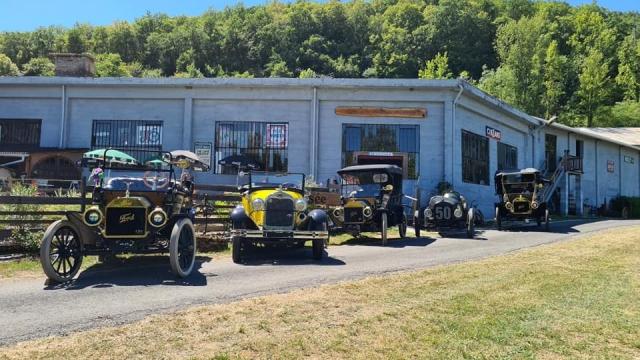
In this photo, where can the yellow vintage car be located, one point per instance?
(274, 210)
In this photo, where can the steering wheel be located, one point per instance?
(154, 181)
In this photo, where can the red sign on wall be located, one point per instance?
(493, 133)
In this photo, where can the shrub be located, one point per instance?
(618, 204)
(25, 235)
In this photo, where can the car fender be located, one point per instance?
(317, 218)
(240, 219)
(86, 234)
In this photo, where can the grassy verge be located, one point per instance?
(30, 267)
(571, 300)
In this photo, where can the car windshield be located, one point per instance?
(143, 178)
(519, 183)
(363, 184)
(288, 181)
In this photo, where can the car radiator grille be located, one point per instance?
(279, 212)
(520, 206)
(126, 221)
(353, 215)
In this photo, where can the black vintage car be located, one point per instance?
(520, 197)
(371, 200)
(135, 208)
(446, 212)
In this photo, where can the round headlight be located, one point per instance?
(158, 218)
(367, 211)
(301, 205)
(534, 205)
(257, 204)
(92, 216)
(337, 212)
(428, 213)
(508, 205)
(457, 212)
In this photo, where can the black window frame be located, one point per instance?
(276, 159)
(507, 152)
(475, 159)
(119, 140)
(412, 149)
(20, 134)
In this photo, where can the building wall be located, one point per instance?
(46, 109)
(474, 117)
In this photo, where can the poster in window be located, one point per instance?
(148, 135)
(277, 136)
(224, 135)
(610, 166)
(203, 150)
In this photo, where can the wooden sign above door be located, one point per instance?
(369, 111)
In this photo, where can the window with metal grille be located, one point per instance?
(507, 156)
(19, 134)
(135, 137)
(475, 158)
(266, 143)
(382, 138)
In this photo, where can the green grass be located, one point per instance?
(576, 299)
(30, 267)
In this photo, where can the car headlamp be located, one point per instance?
(367, 212)
(93, 216)
(301, 205)
(534, 205)
(257, 204)
(508, 205)
(158, 218)
(457, 212)
(428, 213)
(337, 212)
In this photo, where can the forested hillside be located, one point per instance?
(543, 57)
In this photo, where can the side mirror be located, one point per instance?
(388, 188)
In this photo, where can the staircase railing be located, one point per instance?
(554, 181)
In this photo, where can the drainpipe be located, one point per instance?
(620, 171)
(63, 116)
(597, 168)
(453, 131)
(537, 129)
(314, 136)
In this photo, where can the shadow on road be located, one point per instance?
(391, 243)
(134, 271)
(275, 255)
(564, 227)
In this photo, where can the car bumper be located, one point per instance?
(281, 234)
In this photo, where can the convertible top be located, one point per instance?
(515, 172)
(394, 169)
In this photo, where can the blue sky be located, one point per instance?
(25, 15)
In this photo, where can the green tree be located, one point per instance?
(307, 74)
(436, 68)
(77, 39)
(111, 65)
(593, 89)
(554, 80)
(7, 67)
(39, 67)
(628, 77)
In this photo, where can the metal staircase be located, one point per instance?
(568, 164)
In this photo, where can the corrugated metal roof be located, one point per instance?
(629, 135)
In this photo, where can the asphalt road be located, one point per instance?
(108, 295)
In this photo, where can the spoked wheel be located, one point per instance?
(383, 228)
(402, 227)
(471, 224)
(546, 220)
(182, 248)
(498, 219)
(61, 252)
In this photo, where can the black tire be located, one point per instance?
(416, 226)
(61, 252)
(237, 244)
(318, 249)
(402, 227)
(383, 228)
(471, 225)
(498, 218)
(546, 220)
(182, 248)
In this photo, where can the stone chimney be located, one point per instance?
(74, 64)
